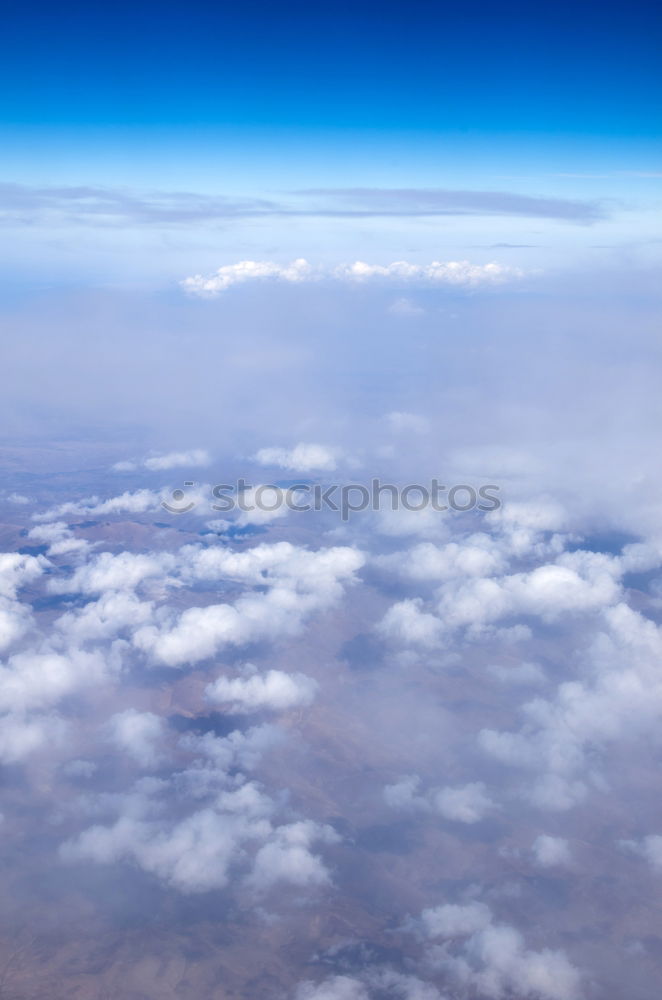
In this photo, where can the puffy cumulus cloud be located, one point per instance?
(262, 504)
(113, 614)
(466, 804)
(126, 503)
(560, 739)
(161, 462)
(333, 988)
(372, 983)
(194, 855)
(477, 556)
(15, 621)
(215, 756)
(649, 847)
(299, 583)
(177, 460)
(452, 272)
(274, 690)
(37, 680)
(537, 528)
(301, 458)
(17, 570)
(453, 920)
(463, 804)
(33, 681)
(287, 857)
(109, 572)
(437, 273)
(231, 831)
(138, 734)
(537, 516)
(22, 735)
(550, 852)
(248, 270)
(18, 498)
(59, 538)
(490, 959)
(473, 596)
(268, 565)
(406, 623)
(569, 586)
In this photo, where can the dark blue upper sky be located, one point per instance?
(488, 67)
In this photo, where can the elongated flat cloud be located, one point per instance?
(96, 205)
(440, 201)
(459, 273)
(163, 462)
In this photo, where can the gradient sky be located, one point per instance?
(259, 755)
(118, 91)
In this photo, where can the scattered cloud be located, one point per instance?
(490, 959)
(163, 462)
(254, 692)
(463, 804)
(301, 458)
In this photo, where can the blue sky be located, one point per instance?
(513, 67)
(408, 755)
(162, 92)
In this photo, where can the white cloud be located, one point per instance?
(109, 572)
(38, 680)
(476, 556)
(463, 804)
(406, 623)
(287, 857)
(406, 308)
(274, 690)
(467, 804)
(620, 699)
(247, 270)
(371, 983)
(453, 273)
(16, 571)
(334, 988)
(400, 421)
(299, 583)
(491, 960)
(193, 855)
(106, 618)
(22, 735)
(126, 503)
(177, 460)
(267, 502)
(453, 920)
(231, 833)
(18, 499)
(551, 851)
(138, 734)
(301, 458)
(59, 538)
(649, 847)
